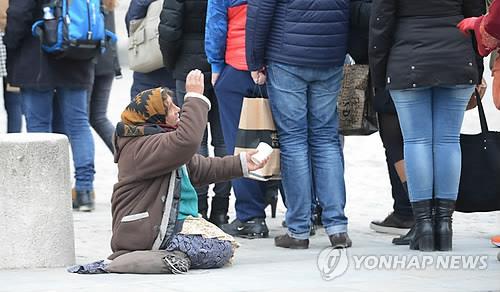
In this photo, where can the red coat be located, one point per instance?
(492, 20)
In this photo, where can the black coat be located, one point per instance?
(27, 65)
(108, 63)
(182, 37)
(417, 44)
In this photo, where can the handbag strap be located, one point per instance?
(482, 116)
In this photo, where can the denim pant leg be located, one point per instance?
(448, 108)
(38, 109)
(73, 105)
(327, 162)
(288, 97)
(13, 106)
(99, 98)
(414, 107)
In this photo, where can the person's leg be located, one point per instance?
(220, 202)
(414, 107)
(287, 90)
(73, 105)
(448, 113)
(325, 149)
(232, 85)
(13, 107)
(99, 98)
(38, 109)
(401, 219)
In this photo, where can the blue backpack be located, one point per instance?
(72, 29)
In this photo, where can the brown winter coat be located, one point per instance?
(145, 165)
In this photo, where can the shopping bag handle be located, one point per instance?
(482, 115)
(257, 89)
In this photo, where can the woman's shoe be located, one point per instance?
(442, 227)
(274, 205)
(404, 239)
(424, 228)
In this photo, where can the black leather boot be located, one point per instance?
(404, 239)
(442, 228)
(424, 227)
(218, 212)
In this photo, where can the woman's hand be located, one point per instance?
(195, 82)
(252, 165)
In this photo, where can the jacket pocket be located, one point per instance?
(134, 232)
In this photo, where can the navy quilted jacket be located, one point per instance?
(310, 33)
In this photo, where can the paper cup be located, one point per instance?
(264, 150)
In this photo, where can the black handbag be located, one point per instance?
(479, 189)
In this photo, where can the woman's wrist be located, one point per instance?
(200, 96)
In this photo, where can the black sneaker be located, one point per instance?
(393, 224)
(253, 228)
(85, 200)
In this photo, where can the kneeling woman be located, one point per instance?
(154, 203)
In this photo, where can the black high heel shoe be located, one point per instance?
(274, 205)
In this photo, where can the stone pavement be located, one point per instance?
(259, 266)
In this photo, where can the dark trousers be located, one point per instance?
(98, 118)
(222, 190)
(392, 139)
(231, 87)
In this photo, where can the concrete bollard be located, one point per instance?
(36, 219)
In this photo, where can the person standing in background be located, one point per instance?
(400, 220)
(11, 95)
(106, 69)
(301, 46)
(158, 78)
(40, 76)
(431, 70)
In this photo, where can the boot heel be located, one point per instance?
(426, 243)
(274, 205)
(444, 243)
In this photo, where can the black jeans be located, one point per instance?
(392, 139)
(98, 107)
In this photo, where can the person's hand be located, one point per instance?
(259, 77)
(252, 165)
(195, 82)
(467, 24)
(215, 76)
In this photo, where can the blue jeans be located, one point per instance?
(73, 106)
(431, 119)
(304, 106)
(13, 107)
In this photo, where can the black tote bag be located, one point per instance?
(479, 189)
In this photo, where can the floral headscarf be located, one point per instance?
(145, 115)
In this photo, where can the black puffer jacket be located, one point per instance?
(182, 35)
(417, 44)
(27, 65)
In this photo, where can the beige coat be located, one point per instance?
(145, 165)
(4, 4)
